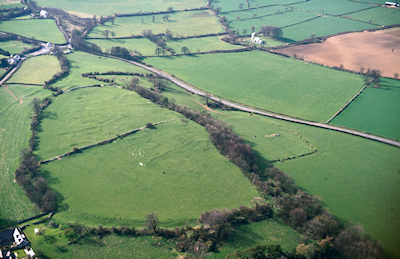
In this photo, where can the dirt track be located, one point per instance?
(355, 50)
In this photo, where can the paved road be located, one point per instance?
(252, 110)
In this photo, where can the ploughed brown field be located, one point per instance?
(375, 50)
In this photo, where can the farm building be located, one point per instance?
(13, 60)
(12, 239)
(7, 255)
(256, 39)
(391, 4)
(44, 14)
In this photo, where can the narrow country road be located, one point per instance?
(252, 110)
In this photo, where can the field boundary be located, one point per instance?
(107, 141)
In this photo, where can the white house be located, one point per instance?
(256, 39)
(44, 14)
(49, 45)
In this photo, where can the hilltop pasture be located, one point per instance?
(182, 176)
(183, 23)
(109, 7)
(267, 81)
(86, 116)
(40, 29)
(36, 70)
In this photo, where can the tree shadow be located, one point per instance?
(47, 175)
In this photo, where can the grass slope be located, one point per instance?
(202, 44)
(14, 136)
(267, 81)
(334, 8)
(356, 178)
(375, 110)
(14, 47)
(109, 7)
(86, 116)
(124, 192)
(83, 63)
(36, 70)
(183, 23)
(40, 29)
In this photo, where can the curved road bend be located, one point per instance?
(243, 108)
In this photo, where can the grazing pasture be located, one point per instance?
(323, 26)
(203, 44)
(380, 15)
(143, 45)
(13, 46)
(83, 63)
(36, 70)
(86, 116)
(337, 7)
(229, 5)
(267, 232)
(249, 13)
(14, 136)
(173, 170)
(182, 23)
(40, 29)
(375, 111)
(356, 178)
(267, 81)
(109, 7)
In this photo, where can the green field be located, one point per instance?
(182, 23)
(36, 70)
(203, 44)
(14, 136)
(356, 178)
(143, 45)
(323, 26)
(14, 47)
(229, 5)
(267, 232)
(267, 81)
(337, 7)
(83, 63)
(375, 111)
(380, 15)
(176, 181)
(249, 13)
(109, 7)
(280, 20)
(86, 116)
(40, 29)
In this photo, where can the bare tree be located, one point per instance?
(240, 6)
(113, 34)
(168, 34)
(106, 33)
(273, 31)
(396, 75)
(151, 222)
(253, 28)
(244, 31)
(185, 50)
(35, 103)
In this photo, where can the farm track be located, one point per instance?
(242, 107)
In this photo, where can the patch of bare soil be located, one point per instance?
(355, 50)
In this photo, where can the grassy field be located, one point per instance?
(202, 44)
(14, 47)
(375, 110)
(267, 81)
(83, 63)
(380, 15)
(173, 167)
(280, 20)
(106, 247)
(143, 45)
(268, 232)
(249, 13)
(229, 5)
(183, 23)
(323, 26)
(36, 70)
(334, 8)
(14, 136)
(40, 29)
(89, 115)
(356, 178)
(103, 7)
